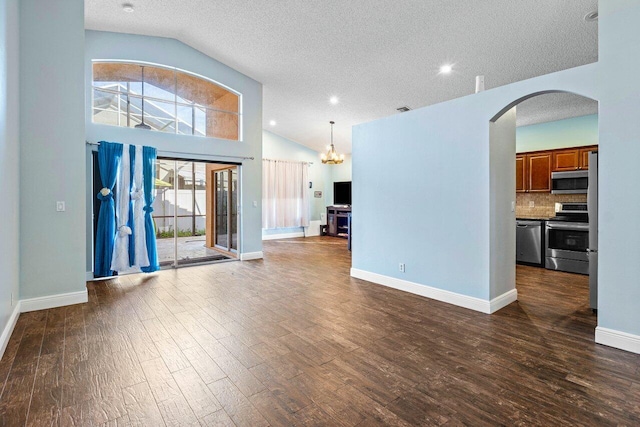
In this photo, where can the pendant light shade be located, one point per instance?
(332, 158)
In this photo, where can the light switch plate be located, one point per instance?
(60, 207)
(513, 206)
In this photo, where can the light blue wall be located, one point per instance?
(52, 152)
(572, 132)
(434, 212)
(9, 149)
(619, 67)
(430, 211)
(170, 52)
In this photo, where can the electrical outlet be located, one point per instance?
(402, 267)
(532, 204)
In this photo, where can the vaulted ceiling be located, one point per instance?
(374, 55)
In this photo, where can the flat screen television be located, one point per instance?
(342, 193)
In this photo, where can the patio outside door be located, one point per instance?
(180, 213)
(226, 209)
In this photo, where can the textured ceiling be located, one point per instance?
(554, 106)
(374, 55)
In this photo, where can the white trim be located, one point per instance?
(283, 235)
(52, 301)
(247, 256)
(503, 300)
(89, 276)
(618, 339)
(8, 329)
(313, 229)
(472, 303)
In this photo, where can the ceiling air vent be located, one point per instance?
(403, 109)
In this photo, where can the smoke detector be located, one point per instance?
(591, 16)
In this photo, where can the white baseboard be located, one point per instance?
(472, 303)
(503, 300)
(52, 301)
(283, 236)
(247, 256)
(89, 276)
(618, 339)
(8, 329)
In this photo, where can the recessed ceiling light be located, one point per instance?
(333, 100)
(591, 16)
(446, 69)
(272, 122)
(127, 7)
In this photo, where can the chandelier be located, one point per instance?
(332, 158)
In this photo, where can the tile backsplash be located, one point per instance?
(544, 203)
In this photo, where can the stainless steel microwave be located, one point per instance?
(571, 182)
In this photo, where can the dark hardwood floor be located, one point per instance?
(293, 340)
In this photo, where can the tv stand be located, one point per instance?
(339, 221)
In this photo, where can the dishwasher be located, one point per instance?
(529, 242)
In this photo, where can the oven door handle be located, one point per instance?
(568, 227)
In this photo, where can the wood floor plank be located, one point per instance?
(204, 365)
(177, 412)
(141, 406)
(202, 401)
(217, 419)
(236, 405)
(160, 380)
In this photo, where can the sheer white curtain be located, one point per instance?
(285, 197)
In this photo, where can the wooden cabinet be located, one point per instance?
(572, 159)
(533, 172)
(566, 160)
(338, 221)
(539, 172)
(521, 174)
(584, 156)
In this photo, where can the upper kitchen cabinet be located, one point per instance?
(572, 159)
(521, 174)
(533, 172)
(539, 172)
(566, 160)
(584, 156)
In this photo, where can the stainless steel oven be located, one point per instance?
(567, 246)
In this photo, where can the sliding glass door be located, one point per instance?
(226, 209)
(181, 212)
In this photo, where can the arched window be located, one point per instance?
(163, 99)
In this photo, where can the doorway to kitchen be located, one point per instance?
(195, 212)
(543, 214)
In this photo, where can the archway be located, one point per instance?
(507, 205)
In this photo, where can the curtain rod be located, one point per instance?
(291, 161)
(190, 154)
